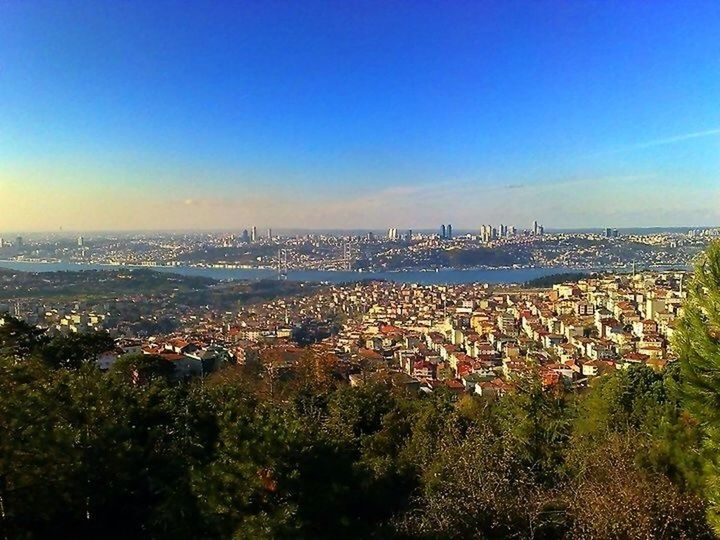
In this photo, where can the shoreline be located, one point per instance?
(114, 265)
(447, 276)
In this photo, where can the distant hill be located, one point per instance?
(86, 284)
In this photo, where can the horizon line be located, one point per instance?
(340, 229)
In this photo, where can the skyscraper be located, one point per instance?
(253, 234)
(269, 233)
(485, 233)
(449, 232)
(442, 231)
(245, 236)
(80, 241)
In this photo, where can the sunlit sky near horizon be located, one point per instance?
(219, 115)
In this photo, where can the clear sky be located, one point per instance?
(345, 114)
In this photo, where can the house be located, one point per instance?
(454, 385)
(423, 369)
(491, 389)
(593, 368)
(584, 309)
(180, 346)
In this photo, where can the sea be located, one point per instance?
(422, 277)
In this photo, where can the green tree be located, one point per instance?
(141, 368)
(535, 425)
(19, 339)
(88, 456)
(697, 341)
(70, 351)
(38, 459)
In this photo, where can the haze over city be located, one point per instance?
(126, 116)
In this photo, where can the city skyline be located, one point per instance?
(358, 116)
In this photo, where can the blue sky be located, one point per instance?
(121, 115)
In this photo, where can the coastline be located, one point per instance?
(492, 275)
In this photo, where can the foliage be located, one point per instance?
(141, 368)
(556, 279)
(698, 343)
(71, 351)
(284, 448)
(97, 284)
(612, 497)
(19, 339)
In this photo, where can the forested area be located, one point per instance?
(245, 453)
(97, 284)
(556, 279)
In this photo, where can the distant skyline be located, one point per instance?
(358, 115)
